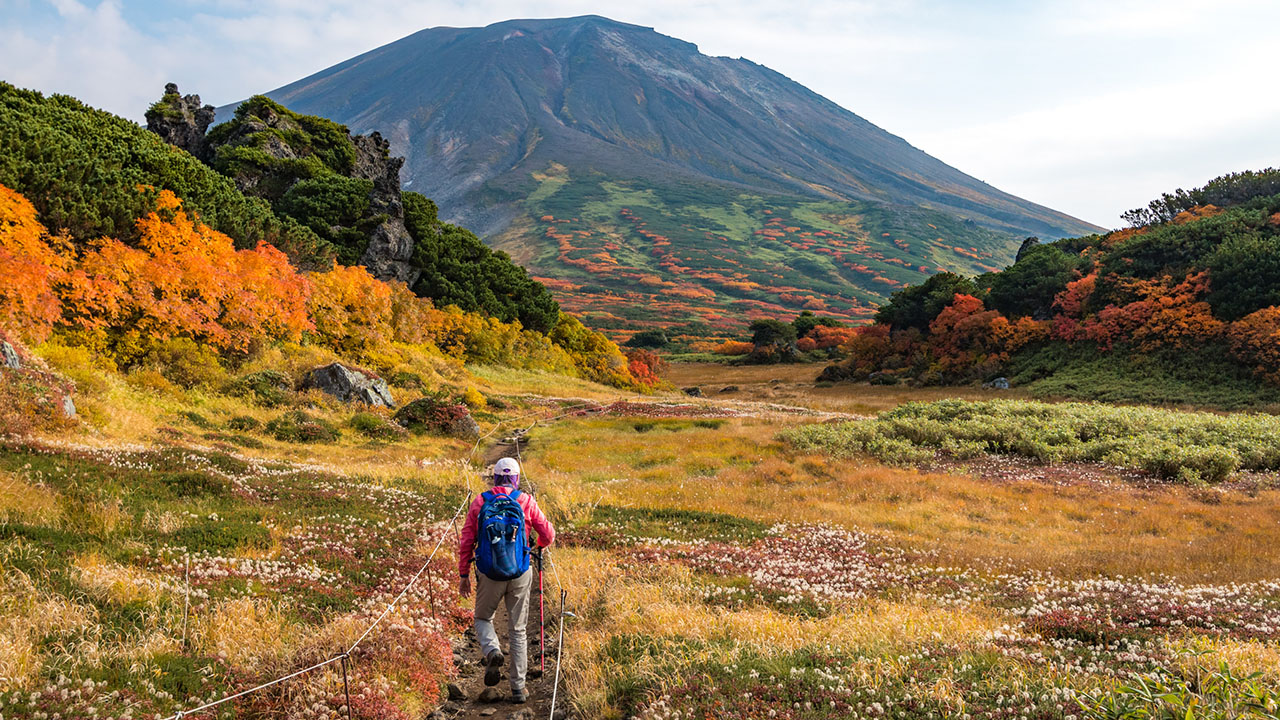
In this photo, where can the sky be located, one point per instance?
(1091, 107)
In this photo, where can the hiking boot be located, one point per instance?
(493, 668)
(519, 697)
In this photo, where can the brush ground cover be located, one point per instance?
(1188, 447)
(716, 570)
(1031, 600)
(284, 562)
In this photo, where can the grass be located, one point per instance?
(715, 569)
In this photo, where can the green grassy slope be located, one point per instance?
(703, 259)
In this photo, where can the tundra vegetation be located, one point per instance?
(207, 521)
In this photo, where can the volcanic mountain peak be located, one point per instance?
(582, 118)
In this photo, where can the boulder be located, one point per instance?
(880, 377)
(350, 385)
(68, 407)
(10, 356)
(694, 391)
(1000, 383)
(729, 389)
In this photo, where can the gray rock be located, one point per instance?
(1025, 246)
(465, 427)
(490, 695)
(729, 389)
(350, 385)
(1000, 383)
(11, 359)
(68, 407)
(523, 714)
(694, 391)
(488, 711)
(455, 693)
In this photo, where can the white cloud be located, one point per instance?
(1089, 106)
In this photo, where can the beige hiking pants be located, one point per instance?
(516, 594)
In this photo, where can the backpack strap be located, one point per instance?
(487, 495)
(515, 493)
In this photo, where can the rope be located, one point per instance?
(340, 657)
(465, 502)
(555, 687)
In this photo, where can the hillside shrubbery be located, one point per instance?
(304, 167)
(186, 282)
(1193, 281)
(82, 168)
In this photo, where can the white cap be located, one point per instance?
(506, 467)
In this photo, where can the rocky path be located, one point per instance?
(469, 699)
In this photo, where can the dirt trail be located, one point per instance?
(465, 701)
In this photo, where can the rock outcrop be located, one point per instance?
(10, 356)
(390, 249)
(182, 121)
(350, 385)
(1025, 246)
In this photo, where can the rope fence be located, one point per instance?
(341, 657)
(344, 656)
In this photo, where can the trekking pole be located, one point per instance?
(542, 618)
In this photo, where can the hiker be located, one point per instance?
(496, 534)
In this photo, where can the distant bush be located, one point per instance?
(648, 339)
(375, 426)
(269, 388)
(299, 427)
(1184, 446)
(244, 423)
(435, 415)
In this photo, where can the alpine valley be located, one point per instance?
(651, 186)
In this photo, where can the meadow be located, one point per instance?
(737, 556)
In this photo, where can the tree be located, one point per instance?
(916, 306)
(1029, 286)
(654, 338)
(773, 341)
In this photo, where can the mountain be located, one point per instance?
(744, 191)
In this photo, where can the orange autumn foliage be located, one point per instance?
(33, 263)
(185, 279)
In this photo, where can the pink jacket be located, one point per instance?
(533, 519)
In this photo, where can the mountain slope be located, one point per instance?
(479, 113)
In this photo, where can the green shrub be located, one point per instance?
(269, 388)
(1184, 446)
(244, 423)
(436, 415)
(375, 426)
(299, 427)
(1217, 695)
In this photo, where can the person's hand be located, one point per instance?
(464, 586)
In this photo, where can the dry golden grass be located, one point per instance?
(1076, 530)
(1202, 655)
(28, 617)
(250, 634)
(21, 501)
(112, 582)
(664, 604)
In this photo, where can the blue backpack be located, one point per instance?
(502, 548)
